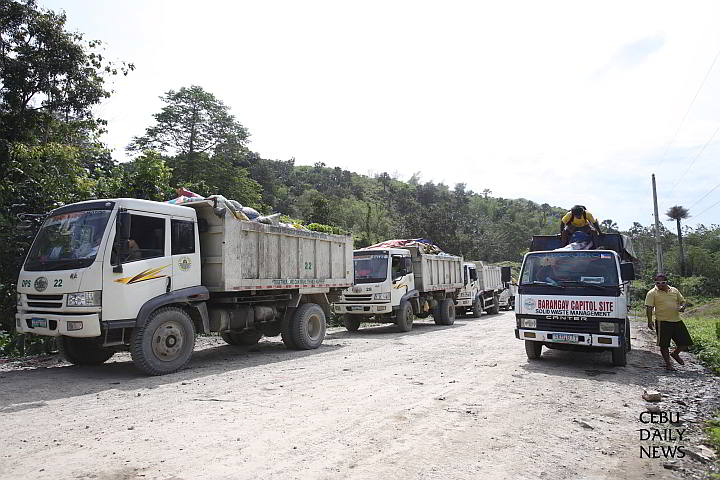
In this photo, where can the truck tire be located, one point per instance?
(285, 332)
(476, 308)
(495, 309)
(83, 351)
(351, 322)
(533, 349)
(444, 314)
(251, 337)
(619, 356)
(165, 343)
(404, 318)
(307, 327)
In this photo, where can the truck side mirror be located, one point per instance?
(122, 235)
(505, 274)
(123, 226)
(627, 271)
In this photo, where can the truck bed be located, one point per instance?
(241, 255)
(436, 272)
(489, 276)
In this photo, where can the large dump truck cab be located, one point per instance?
(575, 299)
(397, 285)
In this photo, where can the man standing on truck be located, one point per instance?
(667, 302)
(578, 219)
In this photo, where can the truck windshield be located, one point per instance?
(370, 267)
(570, 268)
(68, 241)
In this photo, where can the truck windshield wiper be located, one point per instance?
(587, 284)
(537, 282)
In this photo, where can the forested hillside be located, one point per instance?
(51, 154)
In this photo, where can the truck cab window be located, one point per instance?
(147, 239)
(183, 237)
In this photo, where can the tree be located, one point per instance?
(49, 78)
(678, 213)
(193, 121)
(609, 226)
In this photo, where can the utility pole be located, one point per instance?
(658, 247)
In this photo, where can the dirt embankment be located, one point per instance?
(458, 402)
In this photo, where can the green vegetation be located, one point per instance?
(703, 322)
(50, 155)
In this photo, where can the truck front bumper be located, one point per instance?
(586, 339)
(361, 308)
(463, 302)
(54, 325)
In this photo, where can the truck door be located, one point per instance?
(147, 267)
(185, 251)
(402, 279)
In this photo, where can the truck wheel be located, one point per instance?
(533, 349)
(83, 351)
(404, 318)
(164, 344)
(495, 309)
(307, 326)
(351, 322)
(444, 314)
(476, 308)
(511, 303)
(251, 337)
(619, 356)
(285, 332)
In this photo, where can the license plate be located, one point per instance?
(38, 322)
(565, 337)
(359, 309)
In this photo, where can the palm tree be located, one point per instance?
(678, 213)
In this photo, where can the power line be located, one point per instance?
(711, 206)
(703, 197)
(682, 122)
(712, 137)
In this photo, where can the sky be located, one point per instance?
(558, 102)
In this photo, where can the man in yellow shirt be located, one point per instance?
(578, 219)
(667, 301)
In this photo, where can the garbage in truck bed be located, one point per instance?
(238, 210)
(422, 244)
(607, 241)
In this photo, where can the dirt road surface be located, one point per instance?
(457, 402)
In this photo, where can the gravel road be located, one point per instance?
(456, 402)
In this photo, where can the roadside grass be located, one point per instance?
(703, 322)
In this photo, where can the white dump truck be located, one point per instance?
(143, 276)
(395, 285)
(481, 290)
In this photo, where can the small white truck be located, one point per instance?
(396, 285)
(576, 299)
(481, 290)
(128, 274)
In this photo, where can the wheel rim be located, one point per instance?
(168, 341)
(314, 327)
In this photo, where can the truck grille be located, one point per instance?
(357, 298)
(591, 325)
(44, 301)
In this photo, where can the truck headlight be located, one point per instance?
(85, 299)
(608, 327)
(528, 322)
(382, 296)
